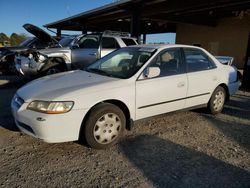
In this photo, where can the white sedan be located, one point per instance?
(130, 84)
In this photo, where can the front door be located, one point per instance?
(86, 52)
(165, 93)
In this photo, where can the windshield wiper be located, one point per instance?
(98, 71)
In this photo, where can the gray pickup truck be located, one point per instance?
(81, 52)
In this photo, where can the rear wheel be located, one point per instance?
(217, 100)
(104, 126)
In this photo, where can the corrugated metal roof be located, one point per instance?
(87, 13)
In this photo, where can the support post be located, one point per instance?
(84, 29)
(58, 32)
(135, 28)
(246, 72)
(144, 38)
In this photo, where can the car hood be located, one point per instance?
(54, 50)
(64, 85)
(9, 49)
(39, 33)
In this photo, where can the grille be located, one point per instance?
(28, 128)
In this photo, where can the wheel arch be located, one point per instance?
(51, 61)
(223, 85)
(59, 60)
(115, 102)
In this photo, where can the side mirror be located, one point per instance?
(151, 72)
(75, 46)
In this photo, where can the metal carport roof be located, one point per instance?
(151, 16)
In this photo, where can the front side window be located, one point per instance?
(89, 41)
(122, 63)
(169, 62)
(196, 60)
(109, 43)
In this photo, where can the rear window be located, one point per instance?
(129, 42)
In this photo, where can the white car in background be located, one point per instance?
(127, 85)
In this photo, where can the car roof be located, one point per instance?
(163, 46)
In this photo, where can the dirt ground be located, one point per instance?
(181, 149)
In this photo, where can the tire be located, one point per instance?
(104, 126)
(52, 68)
(217, 100)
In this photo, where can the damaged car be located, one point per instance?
(81, 52)
(40, 41)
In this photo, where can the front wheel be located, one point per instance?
(53, 70)
(104, 126)
(52, 67)
(217, 100)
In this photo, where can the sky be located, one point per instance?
(15, 13)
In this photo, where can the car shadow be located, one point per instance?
(13, 81)
(239, 132)
(238, 108)
(6, 119)
(167, 164)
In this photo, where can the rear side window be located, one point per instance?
(129, 42)
(109, 43)
(197, 60)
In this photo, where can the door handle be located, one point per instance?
(181, 84)
(94, 53)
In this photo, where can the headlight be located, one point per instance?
(51, 107)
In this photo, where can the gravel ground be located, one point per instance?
(181, 149)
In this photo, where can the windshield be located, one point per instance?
(122, 63)
(26, 42)
(66, 41)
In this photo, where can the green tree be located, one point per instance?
(3, 38)
(16, 39)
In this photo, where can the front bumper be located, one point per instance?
(26, 66)
(233, 87)
(51, 128)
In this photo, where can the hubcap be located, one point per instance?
(107, 128)
(219, 101)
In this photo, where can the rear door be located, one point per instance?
(202, 76)
(165, 93)
(108, 45)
